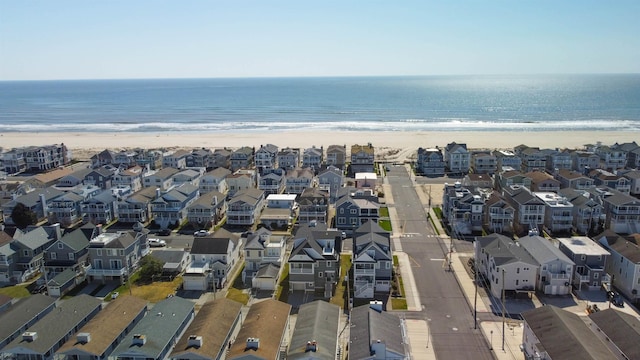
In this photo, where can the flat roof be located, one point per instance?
(366, 175)
(286, 197)
(583, 245)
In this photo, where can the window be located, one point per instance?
(596, 275)
(341, 210)
(517, 281)
(71, 256)
(517, 271)
(320, 274)
(353, 211)
(121, 252)
(329, 264)
(583, 257)
(53, 256)
(60, 245)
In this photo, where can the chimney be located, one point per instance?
(253, 343)
(43, 203)
(194, 341)
(30, 336)
(311, 346)
(376, 305)
(158, 193)
(139, 339)
(83, 337)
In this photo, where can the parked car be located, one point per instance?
(164, 232)
(615, 298)
(156, 243)
(40, 289)
(201, 233)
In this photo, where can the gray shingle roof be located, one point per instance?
(317, 321)
(504, 250)
(621, 328)
(367, 326)
(22, 312)
(542, 250)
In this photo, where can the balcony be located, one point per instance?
(364, 271)
(558, 276)
(107, 272)
(300, 271)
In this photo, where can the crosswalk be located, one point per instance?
(410, 235)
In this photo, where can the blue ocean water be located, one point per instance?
(430, 103)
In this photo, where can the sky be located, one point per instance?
(87, 39)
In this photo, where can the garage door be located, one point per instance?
(295, 286)
(198, 283)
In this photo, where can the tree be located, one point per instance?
(150, 267)
(22, 216)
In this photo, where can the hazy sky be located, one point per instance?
(86, 39)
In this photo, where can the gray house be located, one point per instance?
(315, 336)
(372, 261)
(375, 334)
(114, 256)
(22, 315)
(154, 336)
(100, 209)
(590, 259)
(41, 340)
(331, 179)
(29, 251)
(619, 331)
(352, 212)
(314, 262)
(37, 201)
(556, 269)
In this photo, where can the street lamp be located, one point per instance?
(428, 331)
(491, 341)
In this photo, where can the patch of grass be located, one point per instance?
(398, 304)
(16, 291)
(156, 291)
(340, 296)
(384, 212)
(238, 295)
(433, 225)
(401, 285)
(282, 291)
(395, 261)
(438, 212)
(385, 224)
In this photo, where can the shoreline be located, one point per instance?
(88, 143)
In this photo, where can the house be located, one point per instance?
(462, 209)
(37, 201)
(573, 179)
(262, 248)
(558, 212)
(288, 158)
(212, 259)
(430, 162)
(100, 209)
(372, 261)
(105, 157)
(530, 210)
(296, 180)
(619, 331)
(612, 158)
(331, 179)
(314, 261)
(101, 177)
(221, 158)
(49, 178)
(215, 180)
(160, 179)
(366, 180)
(584, 160)
(245, 207)
(23, 315)
(188, 176)
(313, 158)
(543, 182)
(634, 180)
(114, 256)
(210, 332)
(102, 334)
(263, 332)
(313, 206)
(41, 340)
(240, 180)
(622, 212)
(315, 336)
(375, 334)
(605, 178)
(362, 158)
(504, 265)
(62, 283)
(137, 207)
(175, 261)
(633, 153)
(507, 179)
(507, 160)
(266, 158)
(13, 161)
(131, 178)
(586, 212)
(176, 159)
(151, 159)
(66, 209)
(482, 181)
(171, 207)
(590, 259)
(624, 263)
(498, 214)
(553, 333)
(483, 162)
(29, 251)
(558, 160)
(156, 334)
(272, 181)
(69, 252)
(532, 158)
(352, 212)
(457, 158)
(556, 269)
(336, 156)
(126, 158)
(199, 158)
(242, 158)
(74, 179)
(35, 158)
(209, 209)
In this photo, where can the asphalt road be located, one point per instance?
(444, 306)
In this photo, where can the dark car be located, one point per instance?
(615, 298)
(164, 232)
(40, 289)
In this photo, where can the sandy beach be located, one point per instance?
(395, 144)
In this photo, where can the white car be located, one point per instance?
(201, 233)
(157, 243)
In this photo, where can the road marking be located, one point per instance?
(437, 259)
(414, 261)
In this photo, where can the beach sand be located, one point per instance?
(391, 145)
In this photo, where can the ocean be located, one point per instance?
(425, 103)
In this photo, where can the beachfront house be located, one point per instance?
(221, 157)
(171, 207)
(372, 261)
(457, 158)
(504, 265)
(336, 156)
(362, 159)
(199, 158)
(244, 207)
(624, 263)
(590, 259)
(175, 159)
(430, 162)
(483, 162)
(314, 262)
(105, 157)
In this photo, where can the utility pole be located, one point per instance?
(503, 310)
(475, 298)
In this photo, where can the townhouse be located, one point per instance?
(245, 207)
(556, 269)
(212, 259)
(199, 158)
(221, 158)
(313, 158)
(372, 261)
(457, 158)
(315, 335)
(375, 334)
(430, 162)
(619, 331)
(590, 259)
(558, 160)
(624, 263)
(171, 207)
(22, 315)
(612, 158)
